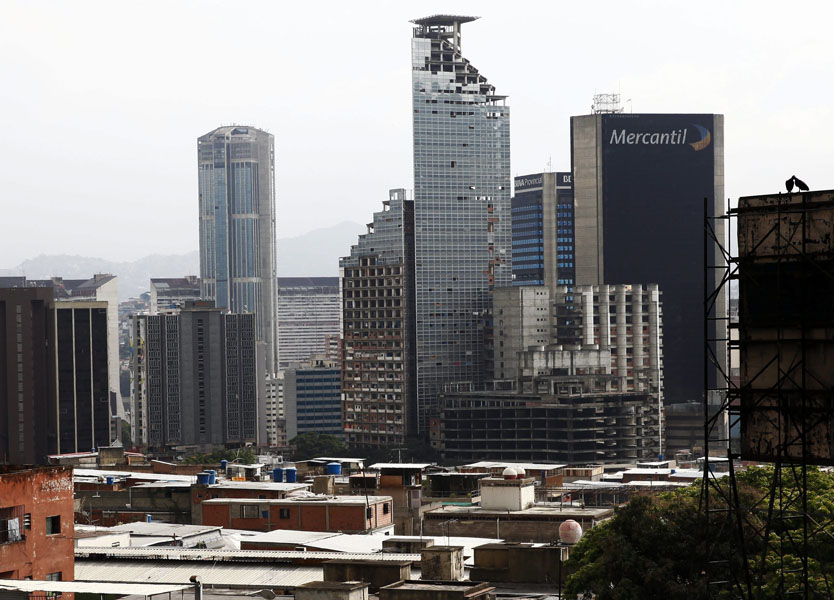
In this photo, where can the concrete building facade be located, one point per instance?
(171, 293)
(313, 399)
(195, 378)
(379, 379)
(573, 422)
(539, 332)
(308, 312)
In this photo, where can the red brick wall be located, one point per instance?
(304, 517)
(43, 492)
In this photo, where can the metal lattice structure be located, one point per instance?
(777, 391)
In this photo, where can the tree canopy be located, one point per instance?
(242, 455)
(313, 445)
(659, 546)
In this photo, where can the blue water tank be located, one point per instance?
(212, 477)
(291, 475)
(278, 475)
(203, 478)
(224, 464)
(109, 480)
(334, 468)
(148, 518)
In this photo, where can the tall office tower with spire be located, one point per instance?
(461, 207)
(237, 227)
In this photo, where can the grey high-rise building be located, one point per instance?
(308, 311)
(461, 207)
(195, 378)
(237, 226)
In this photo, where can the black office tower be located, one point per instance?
(640, 181)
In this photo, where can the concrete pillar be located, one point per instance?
(442, 563)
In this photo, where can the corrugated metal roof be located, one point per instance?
(223, 575)
(488, 464)
(102, 473)
(87, 587)
(415, 466)
(220, 555)
(289, 536)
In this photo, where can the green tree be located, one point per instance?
(658, 547)
(244, 456)
(313, 445)
(126, 439)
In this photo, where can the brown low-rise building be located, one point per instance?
(437, 590)
(508, 511)
(374, 572)
(36, 524)
(519, 563)
(260, 490)
(347, 514)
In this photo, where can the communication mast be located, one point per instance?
(606, 104)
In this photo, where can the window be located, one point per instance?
(11, 522)
(249, 511)
(386, 509)
(284, 513)
(369, 512)
(57, 576)
(53, 527)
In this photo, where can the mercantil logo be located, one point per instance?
(675, 137)
(706, 138)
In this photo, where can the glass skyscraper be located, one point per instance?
(461, 207)
(543, 239)
(237, 227)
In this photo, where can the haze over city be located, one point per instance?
(103, 101)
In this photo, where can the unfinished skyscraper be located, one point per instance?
(461, 207)
(378, 366)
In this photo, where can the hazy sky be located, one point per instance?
(102, 102)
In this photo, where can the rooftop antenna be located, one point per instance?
(549, 163)
(606, 104)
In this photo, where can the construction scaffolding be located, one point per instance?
(777, 389)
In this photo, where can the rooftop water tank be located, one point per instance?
(509, 473)
(570, 532)
(291, 474)
(224, 464)
(203, 478)
(334, 468)
(278, 475)
(520, 472)
(212, 476)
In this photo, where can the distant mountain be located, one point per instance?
(134, 277)
(313, 254)
(316, 254)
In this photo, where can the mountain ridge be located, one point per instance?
(315, 253)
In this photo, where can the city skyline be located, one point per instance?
(148, 97)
